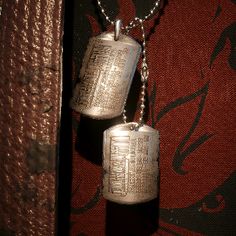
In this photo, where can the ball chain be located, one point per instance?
(144, 66)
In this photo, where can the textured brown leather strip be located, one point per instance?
(30, 97)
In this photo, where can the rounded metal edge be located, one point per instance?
(130, 203)
(122, 38)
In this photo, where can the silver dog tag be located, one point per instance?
(106, 75)
(130, 163)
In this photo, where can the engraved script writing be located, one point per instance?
(130, 164)
(105, 76)
(130, 169)
(105, 66)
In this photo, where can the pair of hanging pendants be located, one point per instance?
(130, 150)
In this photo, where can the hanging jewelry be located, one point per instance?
(107, 70)
(106, 74)
(130, 150)
(130, 153)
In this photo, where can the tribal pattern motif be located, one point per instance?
(191, 97)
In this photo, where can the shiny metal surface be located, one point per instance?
(118, 24)
(106, 75)
(130, 163)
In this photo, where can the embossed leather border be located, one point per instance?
(30, 101)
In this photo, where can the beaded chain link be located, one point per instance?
(144, 78)
(135, 22)
(144, 66)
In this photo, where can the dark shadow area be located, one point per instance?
(132, 220)
(64, 172)
(90, 138)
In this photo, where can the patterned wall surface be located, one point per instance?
(191, 94)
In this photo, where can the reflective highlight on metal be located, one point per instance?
(118, 24)
(106, 75)
(130, 163)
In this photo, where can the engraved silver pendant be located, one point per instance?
(106, 75)
(130, 163)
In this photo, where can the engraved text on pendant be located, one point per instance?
(130, 163)
(106, 75)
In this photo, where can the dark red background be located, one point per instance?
(191, 94)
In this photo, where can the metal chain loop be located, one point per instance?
(144, 74)
(133, 23)
(144, 78)
(144, 66)
(104, 13)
